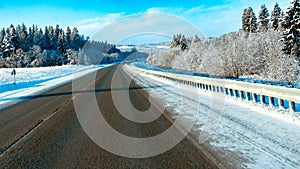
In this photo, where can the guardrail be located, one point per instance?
(274, 96)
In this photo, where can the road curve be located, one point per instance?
(44, 132)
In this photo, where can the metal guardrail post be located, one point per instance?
(292, 106)
(280, 104)
(262, 99)
(254, 97)
(272, 102)
(248, 96)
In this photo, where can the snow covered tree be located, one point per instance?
(245, 21)
(258, 55)
(29, 39)
(183, 43)
(2, 35)
(75, 39)
(13, 35)
(61, 48)
(23, 34)
(40, 58)
(252, 21)
(37, 37)
(175, 41)
(263, 19)
(280, 27)
(54, 35)
(249, 21)
(52, 39)
(35, 55)
(7, 45)
(276, 17)
(291, 26)
(68, 38)
(57, 31)
(72, 57)
(291, 40)
(196, 39)
(21, 58)
(179, 41)
(61, 43)
(35, 47)
(46, 40)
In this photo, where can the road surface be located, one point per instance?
(44, 132)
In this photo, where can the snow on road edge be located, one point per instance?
(247, 136)
(36, 83)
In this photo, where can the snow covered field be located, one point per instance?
(244, 134)
(31, 81)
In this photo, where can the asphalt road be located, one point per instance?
(44, 132)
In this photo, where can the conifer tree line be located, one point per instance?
(34, 47)
(266, 47)
(288, 24)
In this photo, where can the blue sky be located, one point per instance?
(212, 18)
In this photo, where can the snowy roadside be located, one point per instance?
(251, 79)
(32, 81)
(247, 135)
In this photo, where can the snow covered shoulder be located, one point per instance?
(30, 81)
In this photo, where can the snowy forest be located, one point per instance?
(34, 47)
(266, 47)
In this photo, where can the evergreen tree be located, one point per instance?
(263, 19)
(18, 29)
(51, 30)
(37, 37)
(46, 44)
(249, 21)
(35, 47)
(7, 45)
(61, 48)
(2, 35)
(245, 21)
(183, 43)
(29, 40)
(57, 31)
(280, 27)
(176, 41)
(13, 36)
(51, 37)
(276, 17)
(61, 43)
(252, 20)
(291, 26)
(23, 37)
(76, 39)
(68, 38)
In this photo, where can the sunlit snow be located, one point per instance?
(30, 81)
(248, 135)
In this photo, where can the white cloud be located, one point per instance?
(203, 9)
(90, 26)
(88, 20)
(145, 24)
(165, 10)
